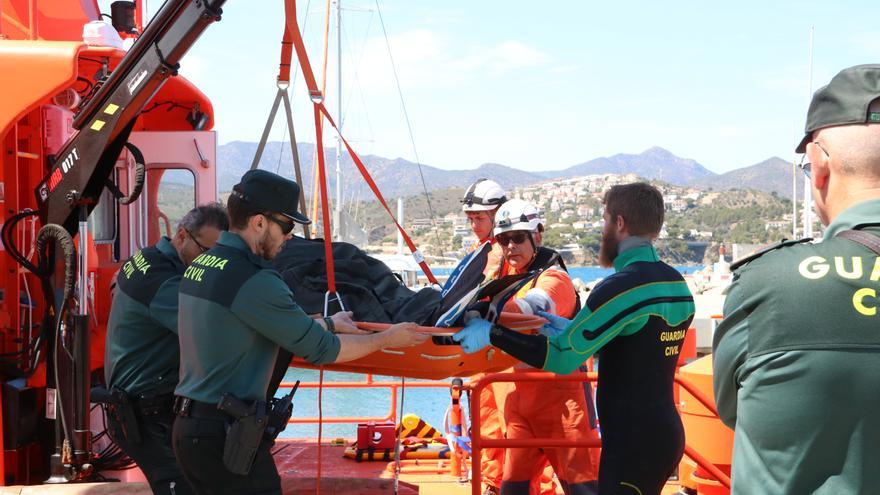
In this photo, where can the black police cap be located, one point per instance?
(271, 193)
(844, 101)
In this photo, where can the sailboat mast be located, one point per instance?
(337, 223)
(808, 191)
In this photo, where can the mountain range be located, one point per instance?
(399, 177)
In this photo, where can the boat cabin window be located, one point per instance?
(102, 221)
(171, 193)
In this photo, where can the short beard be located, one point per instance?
(607, 251)
(263, 248)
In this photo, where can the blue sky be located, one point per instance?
(546, 85)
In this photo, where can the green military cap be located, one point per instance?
(844, 101)
(270, 192)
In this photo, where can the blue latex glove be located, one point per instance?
(556, 324)
(474, 336)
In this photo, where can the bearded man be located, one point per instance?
(635, 320)
(235, 314)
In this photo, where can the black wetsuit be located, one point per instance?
(638, 317)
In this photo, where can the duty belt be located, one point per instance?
(150, 404)
(189, 408)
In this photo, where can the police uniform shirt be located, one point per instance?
(141, 352)
(235, 312)
(797, 365)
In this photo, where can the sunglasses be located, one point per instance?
(517, 238)
(804, 165)
(286, 227)
(199, 244)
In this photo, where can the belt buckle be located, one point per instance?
(182, 405)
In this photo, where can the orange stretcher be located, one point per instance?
(432, 361)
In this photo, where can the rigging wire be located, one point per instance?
(281, 151)
(292, 85)
(408, 125)
(320, 427)
(357, 60)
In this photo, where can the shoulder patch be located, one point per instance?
(141, 276)
(766, 249)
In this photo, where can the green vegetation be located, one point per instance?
(712, 217)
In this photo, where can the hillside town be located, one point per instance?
(697, 221)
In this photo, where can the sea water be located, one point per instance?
(429, 403)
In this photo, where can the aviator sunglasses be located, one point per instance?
(286, 227)
(517, 238)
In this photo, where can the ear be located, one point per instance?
(180, 235)
(257, 223)
(820, 170)
(621, 224)
(538, 236)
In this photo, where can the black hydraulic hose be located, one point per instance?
(139, 174)
(58, 234)
(50, 235)
(7, 236)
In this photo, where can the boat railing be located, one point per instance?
(368, 383)
(30, 29)
(478, 442)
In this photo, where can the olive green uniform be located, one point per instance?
(142, 357)
(797, 365)
(235, 314)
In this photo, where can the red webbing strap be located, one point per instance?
(369, 179)
(317, 100)
(286, 55)
(325, 207)
(292, 29)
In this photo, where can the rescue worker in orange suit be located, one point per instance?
(480, 202)
(544, 409)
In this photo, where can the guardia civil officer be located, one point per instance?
(142, 355)
(797, 356)
(235, 313)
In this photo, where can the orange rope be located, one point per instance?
(320, 427)
(325, 209)
(318, 102)
(321, 129)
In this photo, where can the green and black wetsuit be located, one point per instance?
(636, 319)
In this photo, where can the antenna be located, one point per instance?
(338, 231)
(808, 189)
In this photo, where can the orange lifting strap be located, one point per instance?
(292, 34)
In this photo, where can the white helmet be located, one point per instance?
(517, 214)
(483, 195)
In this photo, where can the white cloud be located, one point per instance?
(790, 80)
(502, 58)
(561, 69)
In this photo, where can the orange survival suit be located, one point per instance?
(549, 409)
